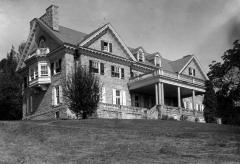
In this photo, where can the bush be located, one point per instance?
(81, 92)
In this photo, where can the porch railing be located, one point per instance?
(168, 74)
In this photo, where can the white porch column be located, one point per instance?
(179, 97)
(156, 94)
(193, 98)
(160, 93)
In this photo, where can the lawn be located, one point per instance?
(118, 141)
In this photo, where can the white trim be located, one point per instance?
(28, 45)
(199, 65)
(186, 65)
(115, 33)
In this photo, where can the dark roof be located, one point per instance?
(70, 36)
(67, 35)
(177, 65)
(168, 65)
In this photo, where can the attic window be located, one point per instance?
(157, 61)
(140, 56)
(191, 71)
(106, 46)
(42, 43)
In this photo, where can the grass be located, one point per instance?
(118, 141)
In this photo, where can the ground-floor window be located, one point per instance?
(56, 95)
(119, 97)
(137, 102)
(57, 115)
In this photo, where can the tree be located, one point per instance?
(10, 88)
(210, 102)
(225, 77)
(81, 92)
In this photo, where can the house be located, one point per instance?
(135, 82)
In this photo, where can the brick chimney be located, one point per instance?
(51, 17)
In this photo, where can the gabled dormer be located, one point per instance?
(157, 59)
(140, 55)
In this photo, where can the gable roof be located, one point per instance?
(98, 31)
(177, 65)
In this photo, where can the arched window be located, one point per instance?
(42, 43)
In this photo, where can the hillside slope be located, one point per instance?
(118, 141)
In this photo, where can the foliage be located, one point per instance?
(225, 77)
(81, 92)
(210, 103)
(10, 88)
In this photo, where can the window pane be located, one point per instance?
(44, 70)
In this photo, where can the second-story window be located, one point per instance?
(56, 67)
(117, 72)
(106, 46)
(44, 70)
(96, 67)
(191, 71)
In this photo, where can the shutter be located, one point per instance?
(102, 68)
(103, 95)
(60, 94)
(190, 72)
(190, 106)
(52, 69)
(124, 98)
(193, 72)
(185, 104)
(114, 96)
(112, 71)
(53, 95)
(90, 65)
(110, 47)
(102, 45)
(122, 73)
(60, 64)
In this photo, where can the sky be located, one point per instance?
(175, 28)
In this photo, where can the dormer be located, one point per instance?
(157, 59)
(140, 55)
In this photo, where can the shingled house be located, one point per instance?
(134, 81)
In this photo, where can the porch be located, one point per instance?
(169, 90)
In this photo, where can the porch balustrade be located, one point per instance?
(168, 74)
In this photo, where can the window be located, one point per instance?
(122, 73)
(119, 97)
(56, 67)
(191, 71)
(42, 43)
(103, 95)
(32, 74)
(115, 71)
(96, 67)
(106, 46)
(158, 61)
(36, 72)
(140, 56)
(56, 95)
(25, 82)
(44, 70)
(137, 104)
